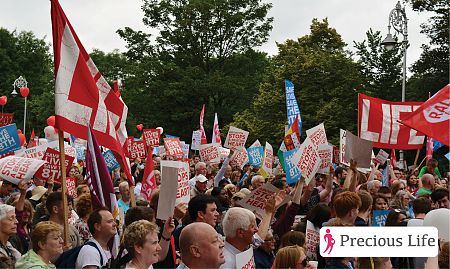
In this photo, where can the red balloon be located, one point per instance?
(3, 100)
(22, 139)
(24, 91)
(51, 121)
(140, 127)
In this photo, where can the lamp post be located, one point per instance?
(398, 21)
(21, 84)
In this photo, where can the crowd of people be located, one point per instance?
(213, 228)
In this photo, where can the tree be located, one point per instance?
(382, 69)
(324, 76)
(204, 54)
(24, 54)
(431, 71)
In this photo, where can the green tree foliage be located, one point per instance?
(204, 54)
(431, 71)
(22, 54)
(382, 69)
(324, 76)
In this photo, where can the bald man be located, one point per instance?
(201, 247)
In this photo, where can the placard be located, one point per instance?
(9, 139)
(6, 118)
(224, 152)
(239, 158)
(255, 156)
(317, 135)
(359, 150)
(245, 260)
(236, 138)
(312, 240)
(52, 166)
(293, 173)
(381, 157)
(71, 187)
(183, 190)
(266, 166)
(110, 160)
(185, 149)
(342, 138)
(136, 148)
(196, 139)
(256, 200)
(210, 153)
(256, 144)
(15, 169)
(326, 156)
(151, 137)
(168, 189)
(308, 161)
(379, 217)
(173, 147)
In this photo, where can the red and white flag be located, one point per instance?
(82, 95)
(393, 159)
(148, 180)
(202, 115)
(32, 142)
(216, 131)
(433, 117)
(429, 152)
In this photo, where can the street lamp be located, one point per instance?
(21, 84)
(398, 21)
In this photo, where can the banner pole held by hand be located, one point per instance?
(64, 186)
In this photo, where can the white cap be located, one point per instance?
(201, 178)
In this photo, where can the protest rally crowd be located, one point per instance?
(100, 199)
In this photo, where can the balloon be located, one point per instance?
(50, 133)
(439, 218)
(161, 130)
(22, 139)
(24, 91)
(51, 121)
(3, 100)
(140, 127)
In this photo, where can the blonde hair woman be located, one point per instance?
(293, 257)
(141, 242)
(47, 245)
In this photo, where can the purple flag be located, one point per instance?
(98, 177)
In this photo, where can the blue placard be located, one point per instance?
(291, 105)
(292, 171)
(110, 160)
(447, 156)
(81, 150)
(9, 139)
(379, 217)
(255, 156)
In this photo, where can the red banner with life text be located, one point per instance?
(378, 122)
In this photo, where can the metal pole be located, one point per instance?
(402, 159)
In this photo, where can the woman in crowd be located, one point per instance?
(380, 202)
(401, 201)
(47, 245)
(83, 207)
(293, 238)
(293, 257)
(396, 217)
(412, 183)
(397, 186)
(24, 215)
(8, 227)
(141, 242)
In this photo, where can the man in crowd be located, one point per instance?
(346, 205)
(257, 181)
(6, 188)
(440, 198)
(427, 185)
(201, 247)
(124, 201)
(103, 227)
(200, 185)
(200, 169)
(373, 186)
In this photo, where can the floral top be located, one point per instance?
(83, 230)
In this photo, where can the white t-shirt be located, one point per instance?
(90, 256)
(415, 222)
(128, 266)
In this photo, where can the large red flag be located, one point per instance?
(202, 115)
(433, 117)
(216, 131)
(148, 180)
(82, 95)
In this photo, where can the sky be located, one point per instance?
(96, 21)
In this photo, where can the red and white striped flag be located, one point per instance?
(82, 95)
(393, 159)
(216, 131)
(202, 115)
(148, 180)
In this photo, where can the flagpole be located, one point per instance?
(63, 183)
(415, 160)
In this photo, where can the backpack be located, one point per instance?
(69, 258)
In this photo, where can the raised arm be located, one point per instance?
(221, 172)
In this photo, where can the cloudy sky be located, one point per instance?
(96, 21)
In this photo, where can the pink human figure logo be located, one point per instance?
(330, 241)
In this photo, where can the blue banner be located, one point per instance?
(385, 177)
(110, 160)
(9, 139)
(171, 136)
(379, 217)
(255, 156)
(447, 156)
(292, 106)
(437, 145)
(292, 171)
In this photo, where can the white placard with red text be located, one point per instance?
(245, 260)
(52, 167)
(381, 157)
(239, 158)
(173, 147)
(224, 152)
(210, 153)
(183, 190)
(38, 152)
(308, 161)
(317, 135)
(326, 157)
(312, 240)
(236, 138)
(71, 187)
(256, 201)
(266, 166)
(15, 169)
